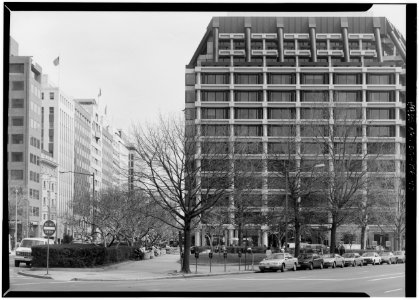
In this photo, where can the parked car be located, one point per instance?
(353, 259)
(310, 261)
(24, 251)
(371, 258)
(388, 257)
(333, 260)
(401, 256)
(278, 261)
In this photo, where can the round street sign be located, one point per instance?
(49, 227)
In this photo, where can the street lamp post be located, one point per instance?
(16, 219)
(93, 194)
(286, 202)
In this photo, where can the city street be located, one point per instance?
(376, 281)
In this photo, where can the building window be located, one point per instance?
(16, 68)
(271, 45)
(289, 45)
(51, 95)
(380, 79)
(303, 45)
(381, 148)
(314, 96)
(367, 45)
(347, 96)
(283, 96)
(248, 130)
(17, 103)
(387, 96)
(248, 96)
(215, 78)
(238, 44)
(281, 78)
(347, 113)
(381, 113)
(17, 138)
(17, 85)
(281, 113)
(215, 96)
(281, 130)
(248, 148)
(314, 113)
(281, 148)
(248, 78)
(215, 113)
(215, 130)
(16, 174)
(248, 113)
(354, 45)
(347, 131)
(314, 78)
(224, 45)
(17, 157)
(381, 166)
(314, 148)
(214, 147)
(348, 148)
(17, 121)
(314, 130)
(347, 79)
(256, 45)
(321, 45)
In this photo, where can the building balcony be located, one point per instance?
(268, 36)
(363, 53)
(360, 36)
(330, 36)
(298, 36)
(330, 52)
(297, 52)
(264, 52)
(226, 36)
(232, 52)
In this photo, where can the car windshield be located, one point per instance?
(329, 255)
(276, 256)
(368, 254)
(305, 256)
(384, 253)
(30, 243)
(398, 252)
(347, 255)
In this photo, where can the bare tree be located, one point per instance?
(172, 177)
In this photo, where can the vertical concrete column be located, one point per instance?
(312, 26)
(280, 37)
(231, 236)
(215, 27)
(197, 238)
(399, 48)
(377, 25)
(248, 38)
(344, 26)
(265, 238)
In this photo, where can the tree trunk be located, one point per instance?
(297, 227)
(240, 233)
(187, 247)
(333, 236)
(363, 236)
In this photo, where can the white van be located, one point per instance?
(24, 251)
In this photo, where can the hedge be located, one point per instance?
(79, 255)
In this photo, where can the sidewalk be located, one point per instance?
(165, 266)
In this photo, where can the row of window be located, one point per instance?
(285, 148)
(34, 159)
(306, 78)
(34, 176)
(34, 211)
(34, 194)
(306, 96)
(305, 130)
(291, 45)
(306, 113)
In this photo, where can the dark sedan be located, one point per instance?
(310, 261)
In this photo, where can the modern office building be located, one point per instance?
(24, 141)
(108, 167)
(121, 157)
(252, 78)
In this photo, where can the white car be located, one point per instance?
(371, 258)
(24, 251)
(278, 261)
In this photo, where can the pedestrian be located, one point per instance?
(268, 252)
(341, 249)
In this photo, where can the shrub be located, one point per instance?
(67, 239)
(78, 255)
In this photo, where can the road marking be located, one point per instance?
(385, 278)
(49, 282)
(392, 291)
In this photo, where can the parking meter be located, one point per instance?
(196, 254)
(182, 255)
(210, 255)
(240, 253)
(225, 254)
(240, 258)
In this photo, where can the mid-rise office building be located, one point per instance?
(253, 78)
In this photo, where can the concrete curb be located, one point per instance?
(138, 279)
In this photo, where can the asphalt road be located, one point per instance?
(376, 281)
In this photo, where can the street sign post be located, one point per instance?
(49, 230)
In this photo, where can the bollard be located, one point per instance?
(245, 261)
(240, 258)
(253, 260)
(210, 258)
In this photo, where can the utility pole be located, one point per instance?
(16, 220)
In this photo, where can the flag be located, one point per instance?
(100, 93)
(56, 61)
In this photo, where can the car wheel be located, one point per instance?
(334, 265)
(283, 268)
(321, 265)
(17, 263)
(262, 271)
(28, 264)
(342, 265)
(294, 268)
(311, 266)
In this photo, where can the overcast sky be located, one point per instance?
(137, 59)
